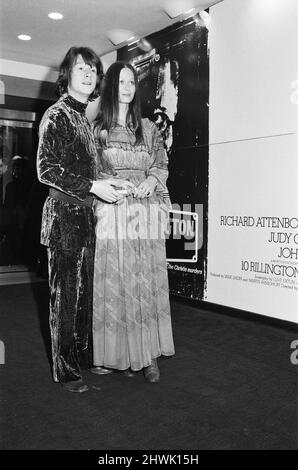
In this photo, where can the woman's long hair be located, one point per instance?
(90, 58)
(109, 104)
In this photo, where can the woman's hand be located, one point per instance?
(146, 188)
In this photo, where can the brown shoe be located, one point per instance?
(152, 373)
(98, 370)
(76, 386)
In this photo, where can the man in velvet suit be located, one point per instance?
(66, 162)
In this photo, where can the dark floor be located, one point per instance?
(231, 385)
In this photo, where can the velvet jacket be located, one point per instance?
(66, 161)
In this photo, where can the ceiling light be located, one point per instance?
(189, 12)
(118, 36)
(24, 37)
(132, 39)
(175, 8)
(205, 17)
(55, 16)
(144, 45)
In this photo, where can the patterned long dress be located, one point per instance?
(131, 310)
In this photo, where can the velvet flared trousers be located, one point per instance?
(71, 293)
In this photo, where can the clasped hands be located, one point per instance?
(114, 189)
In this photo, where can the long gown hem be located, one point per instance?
(109, 366)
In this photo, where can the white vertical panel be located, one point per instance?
(253, 95)
(253, 69)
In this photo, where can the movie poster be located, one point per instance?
(253, 226)
(173, 69)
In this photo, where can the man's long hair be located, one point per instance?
(90, 58)
(109, 104)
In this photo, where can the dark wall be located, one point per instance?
(21, 196)
(23, 94)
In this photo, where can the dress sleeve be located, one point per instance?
(56, 138)
(159, 166)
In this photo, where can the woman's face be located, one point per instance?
(127, 86)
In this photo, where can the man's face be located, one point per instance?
(82, 80)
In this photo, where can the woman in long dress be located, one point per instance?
(131, 310)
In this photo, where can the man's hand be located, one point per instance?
(119, 183)
(146, 188)
(105, 189)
